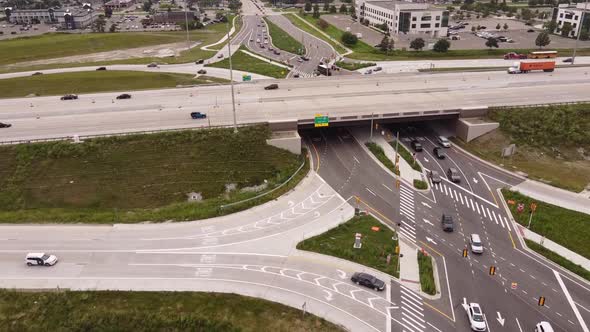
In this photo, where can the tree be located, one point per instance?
(498, 26)
(441, 46)
(532, 3)
(326, 5)
(113, 28)
(492, 42)
(108, 12)
(566, 29)
(316, 11)
(147, 5)
(352, 11)
(384, 44)
(99, 24)
(323, 24)
(542, 39)
(505, 27)
(332, 9)
(348, 38)
(343, 9)
(307, 6)
(234, 5)
(550, 26)
(584, 35)
(417, 44)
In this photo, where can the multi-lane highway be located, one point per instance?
(510, 297)
(340, 97)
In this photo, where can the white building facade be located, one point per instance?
(30, 16)
(405, 17)
(576, 16)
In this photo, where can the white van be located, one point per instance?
(476, 245)
(543, 327)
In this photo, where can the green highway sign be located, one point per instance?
(321, 120)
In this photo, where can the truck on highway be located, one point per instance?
(523, 67)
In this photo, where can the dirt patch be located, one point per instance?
(155, 51)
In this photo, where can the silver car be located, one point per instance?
(435, 177)
(444, 141)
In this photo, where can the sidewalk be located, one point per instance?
(556, 248)
(407, 173)
(409, 273)
(553, 195)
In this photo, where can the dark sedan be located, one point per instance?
(5, 125)
(367, 280)
(271, 87)
(439, 153)
(417, 146)
(124, 96)
(69, 97)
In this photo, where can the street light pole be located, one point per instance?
(188, 43)
(583, 18)
(371, 139)
(231, 78)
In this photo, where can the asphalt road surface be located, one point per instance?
(47, 117)
(510, 297)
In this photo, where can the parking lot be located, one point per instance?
(8, 30)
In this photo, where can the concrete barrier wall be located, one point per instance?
(288, 140)
(470, 129)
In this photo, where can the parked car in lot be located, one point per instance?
(101, 68)
(439, 153)
(69, 97)
(202, 72)
(453, 175)
(5, 125)
(198, 115)
(271, 87)
(435, 177)
(153, 65)
(417, 146)
(124, 96)
(367, 280)
(475, 243)
(444, 141)
(543, 327)
(476, 319)
(447, 223)
(40, 258)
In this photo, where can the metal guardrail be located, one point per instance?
(83, 137)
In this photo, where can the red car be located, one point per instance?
(512, 55)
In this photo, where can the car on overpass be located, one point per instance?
(198, 115)
(476, 318)
(40, 259)
(368, 280)
(124, 96)
(271, 87)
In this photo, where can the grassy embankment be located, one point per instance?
(426, 274)
(354, 65)
(247, 63)
(298, 22)
(283, 40)
(552, 143)
(141, 177)
(575, 268)
(376, 246)
(407, 155)
(149, 311)
(96, 81)
(380, 155)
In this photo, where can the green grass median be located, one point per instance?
(244, 62)
(354, 65)
(376, 245)
(96, 81)
(136, 178)
(297, 21)
(407, 155)
(149, 311)
(378, 152)
(559, 260)
(283, 40)
(568, 228)
(426, 274)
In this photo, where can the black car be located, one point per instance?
(367, 280)
(198, 115)
(453, 175)
(439, 153)
(37, 73)
(530, 30)
(202, 72)
(5, 125)
(200, 62)
(124, 96)
(417, 146)
(101, 68)
(271, 87)
(304, 58)
(69, 97)
(568, 60)
(447, 223)
(276, 52)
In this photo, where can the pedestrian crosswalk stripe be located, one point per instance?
(461, 197)
(484, 212)
(477, 206)
(507, 224)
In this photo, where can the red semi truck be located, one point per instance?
(523, 67)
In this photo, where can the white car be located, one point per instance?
(476, 245)
(40, 258)
(543, 327)
(476, 319)
(444, 141)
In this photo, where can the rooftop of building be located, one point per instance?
(392, 4)
(116, 2)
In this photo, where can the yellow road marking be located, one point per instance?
(494, 197)
(429, 247)
(437, 310)
(511, 239)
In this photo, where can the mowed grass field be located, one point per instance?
(96, 81)
(283, 40)
(150, 311)
(140, 178)
(247, 63)
(376, 245)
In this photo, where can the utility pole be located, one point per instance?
(581, 27)
(231, 78)
(188, 43)
(371, 139)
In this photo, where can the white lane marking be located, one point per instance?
(426, 204)
(387, 187)
(518, 323)
(490, 215)
(388, 317)
(369, 190)
(484, 212)
(456, 196)
(470, 192)
(357, 161)
(408, 319)
(571, 301)
(434, 327)
(461, 197)
(477, 206)
(507, 224)
(579, 305)
(446, 192)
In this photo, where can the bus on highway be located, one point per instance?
(543, 54)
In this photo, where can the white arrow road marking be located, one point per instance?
(474, 180)
(425, 204)
(354, 291)
(328, 297)
(316, 214)
(430, 240)
(428, 222)
(341, 274)
(290, 203)
(425, 159)
(464, 304)
(500, 319)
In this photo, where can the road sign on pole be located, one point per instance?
(321, 120)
